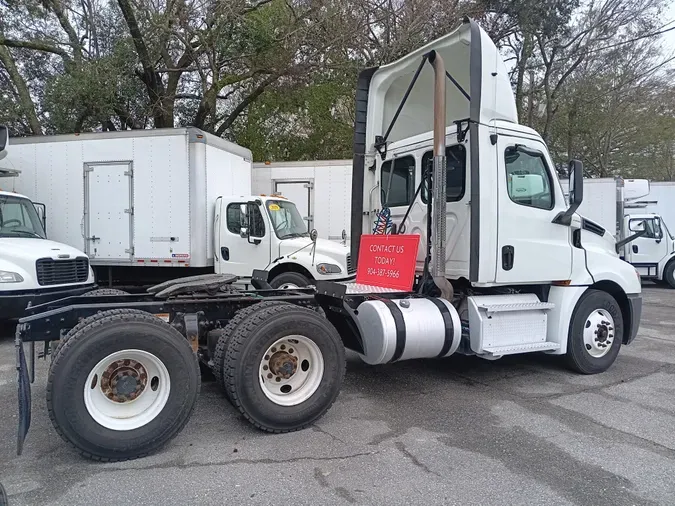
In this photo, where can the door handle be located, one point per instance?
(93, 238)
(508, 254)
(225, 253)
(635, 248)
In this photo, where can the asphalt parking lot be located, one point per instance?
(460, 431)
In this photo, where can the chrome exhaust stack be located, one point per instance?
(439, 180)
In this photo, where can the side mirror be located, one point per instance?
(313, 235)
(576, 185)
(41, 211)
(243, 221)
(576, 182)
(4, 137)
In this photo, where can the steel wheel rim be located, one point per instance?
(289, 286)
(127, 390)
(291, 370)
(598, 333)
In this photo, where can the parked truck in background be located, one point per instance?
(33, 269)
(152, 205)
(321, 191)
(626, 208)
(496, 263)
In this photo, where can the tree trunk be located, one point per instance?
(25, 99)
(525, 53)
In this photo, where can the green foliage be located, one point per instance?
(309, 122)
(91, 93)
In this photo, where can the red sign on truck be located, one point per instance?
(388, 261)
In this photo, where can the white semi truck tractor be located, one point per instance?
(33, 269)
(500, 265)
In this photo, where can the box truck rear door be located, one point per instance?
(108, 210)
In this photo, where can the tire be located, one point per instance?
(105, 291)
(56, 346)
(594, 308)
(224, 338)
(290, 280)
(115, 336)
(250, 344)
(669, 274)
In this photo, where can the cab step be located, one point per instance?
(515, 306)
(500, 351)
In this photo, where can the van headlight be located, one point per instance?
(328, 269)
(10, 277)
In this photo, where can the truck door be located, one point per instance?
(108, 210)
(236, 254)
(300, 193)
(648, 250)
(531, 248)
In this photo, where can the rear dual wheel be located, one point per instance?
(282, 366)
(123, 384)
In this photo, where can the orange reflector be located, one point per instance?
(566, 282)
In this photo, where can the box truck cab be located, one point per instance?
(33, 269)
(652, 253)
(269, 231)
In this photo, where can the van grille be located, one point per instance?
(350, 267)
(61, 272)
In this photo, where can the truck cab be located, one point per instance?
(652, 253)
(516, 254)
(268, 231)
(34, 269)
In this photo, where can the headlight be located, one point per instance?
(328, 269)
(10, 277)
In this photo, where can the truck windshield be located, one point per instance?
(286, 219)
(18, 218)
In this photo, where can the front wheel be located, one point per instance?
(669, 274)
(595, 333)
(289, 280)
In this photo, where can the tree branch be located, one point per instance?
(25, 100)
(244, 104)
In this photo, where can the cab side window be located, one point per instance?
(455, 178)
(233, 219)
(528, 180)
(651, 226)
(398, 184)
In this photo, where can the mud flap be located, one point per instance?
(23, 382)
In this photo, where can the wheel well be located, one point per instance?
(289, 267)
(619, 295)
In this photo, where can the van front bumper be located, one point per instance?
(13, 303)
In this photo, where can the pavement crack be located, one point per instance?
(188, 465)
(316, 428)
(401, 447)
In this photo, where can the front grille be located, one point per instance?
(350, 267)
(61, 272)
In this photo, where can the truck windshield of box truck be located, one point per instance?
(18, 218)
(286, 219)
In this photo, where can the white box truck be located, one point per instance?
(33, 269)
(627, 207)
(152, 205)
(320, 189)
